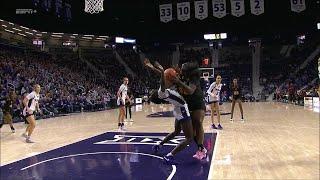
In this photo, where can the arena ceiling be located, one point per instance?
(140, 19)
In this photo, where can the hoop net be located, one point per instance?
(93, 6)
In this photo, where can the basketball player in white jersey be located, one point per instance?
(121, 101)
(213, 100)
(31, 105)
(181, 113)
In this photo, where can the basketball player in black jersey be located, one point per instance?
(8, 110)
(128, 105)
(236, 98)
(190, 89)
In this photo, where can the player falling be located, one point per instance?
(181, 112)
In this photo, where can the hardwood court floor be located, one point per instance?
(276, 141)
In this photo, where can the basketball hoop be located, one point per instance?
(93, 6)
(207, 73)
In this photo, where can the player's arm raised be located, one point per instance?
(148, 64)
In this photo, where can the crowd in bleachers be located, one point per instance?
(64, 90)
(297, 86)
(279, 76)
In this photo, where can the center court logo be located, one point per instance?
(143, 140)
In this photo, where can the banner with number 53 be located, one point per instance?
(219, 8)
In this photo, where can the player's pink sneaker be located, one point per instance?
(203, 154)
(200, 154)
(196, 155)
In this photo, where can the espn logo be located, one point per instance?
(25, 11)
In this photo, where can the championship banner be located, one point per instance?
(237, 8)
(298, 5)
(183, 11)
(165, 12)
(201, 9)
(219, 8)
(257, 7)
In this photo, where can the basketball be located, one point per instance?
(169, 74)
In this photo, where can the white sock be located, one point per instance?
(169, 154)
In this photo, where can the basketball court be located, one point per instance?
(276, 141)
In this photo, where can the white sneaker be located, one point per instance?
(242, 120)
(131, 120)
